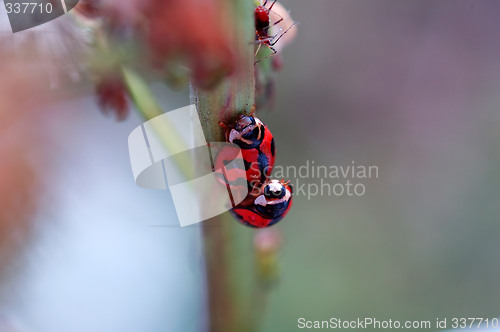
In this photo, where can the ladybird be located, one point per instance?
(268, 208)
(257, 149)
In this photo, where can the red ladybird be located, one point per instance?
(257, 149)
(272, 205)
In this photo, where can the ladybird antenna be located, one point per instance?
(271, 7)
(281, 19)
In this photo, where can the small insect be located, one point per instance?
(268, 208)
(257, 149)
(263, 25)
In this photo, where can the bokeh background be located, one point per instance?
(409, 86)
(413, 88)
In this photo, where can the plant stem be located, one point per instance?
(234, 96)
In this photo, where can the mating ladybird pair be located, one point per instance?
(268, 201)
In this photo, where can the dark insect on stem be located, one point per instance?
(262, 27)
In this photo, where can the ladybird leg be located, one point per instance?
(258, 49)
(272, 49)
(270, 38)
(223, 125)
(281, 35)
(281, 18)
(263, 40)
(224, 112)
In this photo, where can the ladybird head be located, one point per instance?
(275, 200)
(274, 190)
(244, 122)
(248, 132)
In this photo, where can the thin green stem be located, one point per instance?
(232, 97)
(148, 107)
